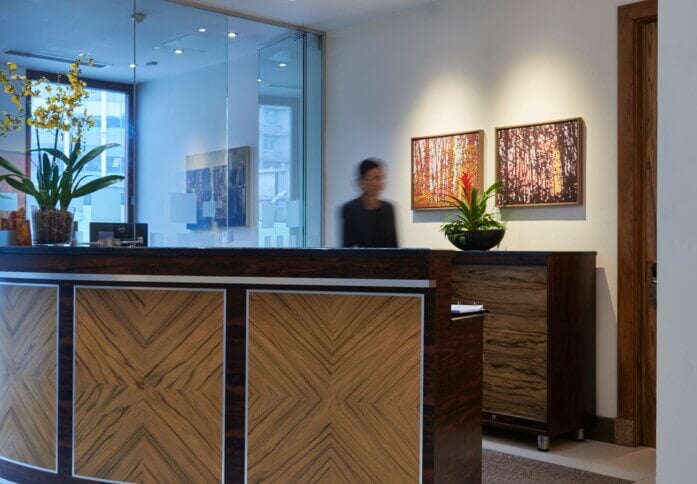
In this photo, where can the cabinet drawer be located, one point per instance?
(514, 290)
(515, 374)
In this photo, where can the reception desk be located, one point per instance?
(222, 365)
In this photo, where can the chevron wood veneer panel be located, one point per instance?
(333, 387)
(149, 385)
(28, 351)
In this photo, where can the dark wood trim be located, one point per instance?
(235, 384)
(453, 367)
(601, 429)
(510, 258)
(65, 378)
(571, 344)
(630, 223)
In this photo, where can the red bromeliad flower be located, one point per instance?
(466, 182)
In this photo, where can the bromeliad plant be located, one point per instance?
(471, 210)
(59, 177)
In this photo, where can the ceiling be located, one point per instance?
(106, 30)
(317, 14)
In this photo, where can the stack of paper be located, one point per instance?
(466, 308)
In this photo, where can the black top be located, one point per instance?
(368, 228)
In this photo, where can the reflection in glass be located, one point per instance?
(215, 136)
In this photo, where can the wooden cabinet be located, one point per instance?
(539, 337)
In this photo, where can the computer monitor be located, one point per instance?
(122, 231)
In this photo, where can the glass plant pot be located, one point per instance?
(52, 226)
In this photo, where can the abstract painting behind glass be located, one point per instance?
(220, 195)
(438, 163)
(199, 183)
(238, 172)
(219, 180)
(540, 164)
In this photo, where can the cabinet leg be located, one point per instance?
(543, 442)
(580, 435)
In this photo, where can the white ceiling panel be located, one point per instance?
(317, 14)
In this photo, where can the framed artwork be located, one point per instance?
(438, 163)
(238, 174)
(219, 180)
(540, 164)
(199, 183)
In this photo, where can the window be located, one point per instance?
(109, 107)
(275, 140)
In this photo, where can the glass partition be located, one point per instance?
(217, 120)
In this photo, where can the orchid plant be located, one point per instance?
(58, 175)
(471, 209)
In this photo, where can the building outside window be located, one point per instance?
(109, 110)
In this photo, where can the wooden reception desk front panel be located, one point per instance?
(212, 365)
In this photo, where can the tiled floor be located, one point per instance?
(632, 463)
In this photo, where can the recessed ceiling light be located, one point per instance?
(202, 30)
(282, 64)
(259, 80)
(132, 66)
(232, 35)
(178, 51)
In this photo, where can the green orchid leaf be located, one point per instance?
(54, 153)
(23, 185)
(5, 164)
(91, 155)
(78, 182)
(97, 184)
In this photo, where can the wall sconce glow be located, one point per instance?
(178, 51)
(282, 64)
(201, 30)
(232, 35)
(132, 66)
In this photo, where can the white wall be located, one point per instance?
(677, 242)
(188, 113)
(462, 65)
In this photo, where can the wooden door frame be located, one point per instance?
(630, 308)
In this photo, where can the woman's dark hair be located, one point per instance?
(369, 164)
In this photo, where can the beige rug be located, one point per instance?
(500, 468)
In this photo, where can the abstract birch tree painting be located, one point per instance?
(438, 163)
(540, 164)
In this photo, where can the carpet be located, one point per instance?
(500, 468)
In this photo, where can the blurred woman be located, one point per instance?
(367, 220)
